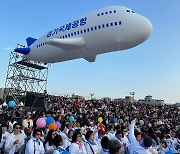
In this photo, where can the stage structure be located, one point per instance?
(25, 75)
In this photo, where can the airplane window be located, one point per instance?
(103, 26)
(91, 28)
(65, 36)
(128, 10)
(119, 22)
(78, 32)
(114, 11)
(107, 25)
(111, 24)
(98, 14)
(110, 11)
(132, 11)
(74, 33)
(99, 26)
(106, 12)
(115, 23)
(95, 27)
(102, 13)
(60, 37)
(69, 35)
(88, 29)
(84, 30)
(37, 46)
(81, 31)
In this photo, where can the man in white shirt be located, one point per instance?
(135, 146)
(15, 140)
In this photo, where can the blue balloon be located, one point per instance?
(45, 118)
(169, 152)
(49, 120)
(71, 118)
(12, 104)
(65, 152)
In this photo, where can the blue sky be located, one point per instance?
(152, 68)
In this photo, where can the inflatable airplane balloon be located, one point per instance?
(108, 29)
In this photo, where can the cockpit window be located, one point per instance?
(130, 11)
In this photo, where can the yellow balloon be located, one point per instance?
(100, 119)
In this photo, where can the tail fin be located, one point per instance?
(30, 41)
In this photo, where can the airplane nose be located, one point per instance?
(147, 29)
(137, 30)
(142, 29)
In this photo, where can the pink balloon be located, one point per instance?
(41, 123)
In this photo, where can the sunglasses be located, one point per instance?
(54, 134)
(38, 134)
(18, 128)
(79, 136)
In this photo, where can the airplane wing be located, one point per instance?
(69, 43)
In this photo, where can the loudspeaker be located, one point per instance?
(34, 100)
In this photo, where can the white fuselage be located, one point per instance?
(108, 29)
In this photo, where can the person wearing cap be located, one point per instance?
(100, 126)
(101, 133)
(138, 147)
(28, 124)
(92, 126)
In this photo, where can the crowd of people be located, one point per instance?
(126, 128)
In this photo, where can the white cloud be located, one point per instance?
(8, 48)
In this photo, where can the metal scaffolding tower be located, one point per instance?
(25, 75)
